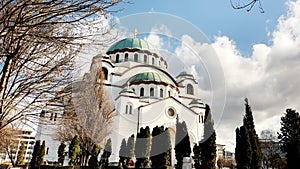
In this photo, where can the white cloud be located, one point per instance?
(154, 37)
(269, 78)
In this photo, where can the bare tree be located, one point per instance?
(242, 4)
(88, 114)
(39, 40)
(9, 142)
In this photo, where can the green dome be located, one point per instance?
(196, 101)
(151, 77)
(184, 73)
(132, 43)
(127, 90)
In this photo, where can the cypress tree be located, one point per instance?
(142, 148)
(160, 148)
(130, 149)
(106, 153)
(168, 153)
(93, 161)
(205, 151)
(243, 149)
(248, 121)
(74, 150)
(197, 156)
(209, 143)
(289, 137)
(182, 141)
(41, 154)
(123, 152)
(21, 154)
(36, 149)
(61, 153)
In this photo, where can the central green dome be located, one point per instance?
(132, 43)
(151, 77)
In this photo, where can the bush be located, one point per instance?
(4, 166)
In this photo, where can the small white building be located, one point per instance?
(28, 138)
(144, 93)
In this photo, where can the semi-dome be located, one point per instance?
(148, 77)
(131, 43)
(184, 73)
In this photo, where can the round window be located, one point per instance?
(171, 112)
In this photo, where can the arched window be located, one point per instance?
(128, 109)
(189, 89)
(126, 57)
(151, 91)
(152, 61)
(145, 59)
(169, 93)
(104, 73)
(136, 57)
(117, 58)
(142, 92)
(158, 63)
(161, 93)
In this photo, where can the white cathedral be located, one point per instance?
(143, 93)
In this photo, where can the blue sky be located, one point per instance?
(259, 54)
(217, 17)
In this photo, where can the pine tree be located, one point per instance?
(34, 157)
(167, 144)
(41, 154)
(248, 121)
(123, 153)
(243, 152)
(160, 148)
(74, 150)
(21, 154)
(182, 141)
(93, 161)
(142, 148)
(205, 151)
(61, 153)
(130, 149)
(106, 154)
(289, 137)
(245, 132)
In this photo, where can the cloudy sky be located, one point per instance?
(245, 54)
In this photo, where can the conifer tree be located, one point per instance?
(93, 161)
(160, 148)
(130, 149)
(243, 152)
(41, 154)
(123, 153)
(61, 153)
(182, 141)
(21, 154)
(248, 121)
(205, 151)
(106, 153)
(208, 146)
(34, 157)
(74, 150)
(289, 137)
(142, 148)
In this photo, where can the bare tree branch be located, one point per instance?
(39, 41)
(242, 4)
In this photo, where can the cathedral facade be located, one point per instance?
(143, 93)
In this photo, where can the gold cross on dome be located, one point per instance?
(135, 32)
